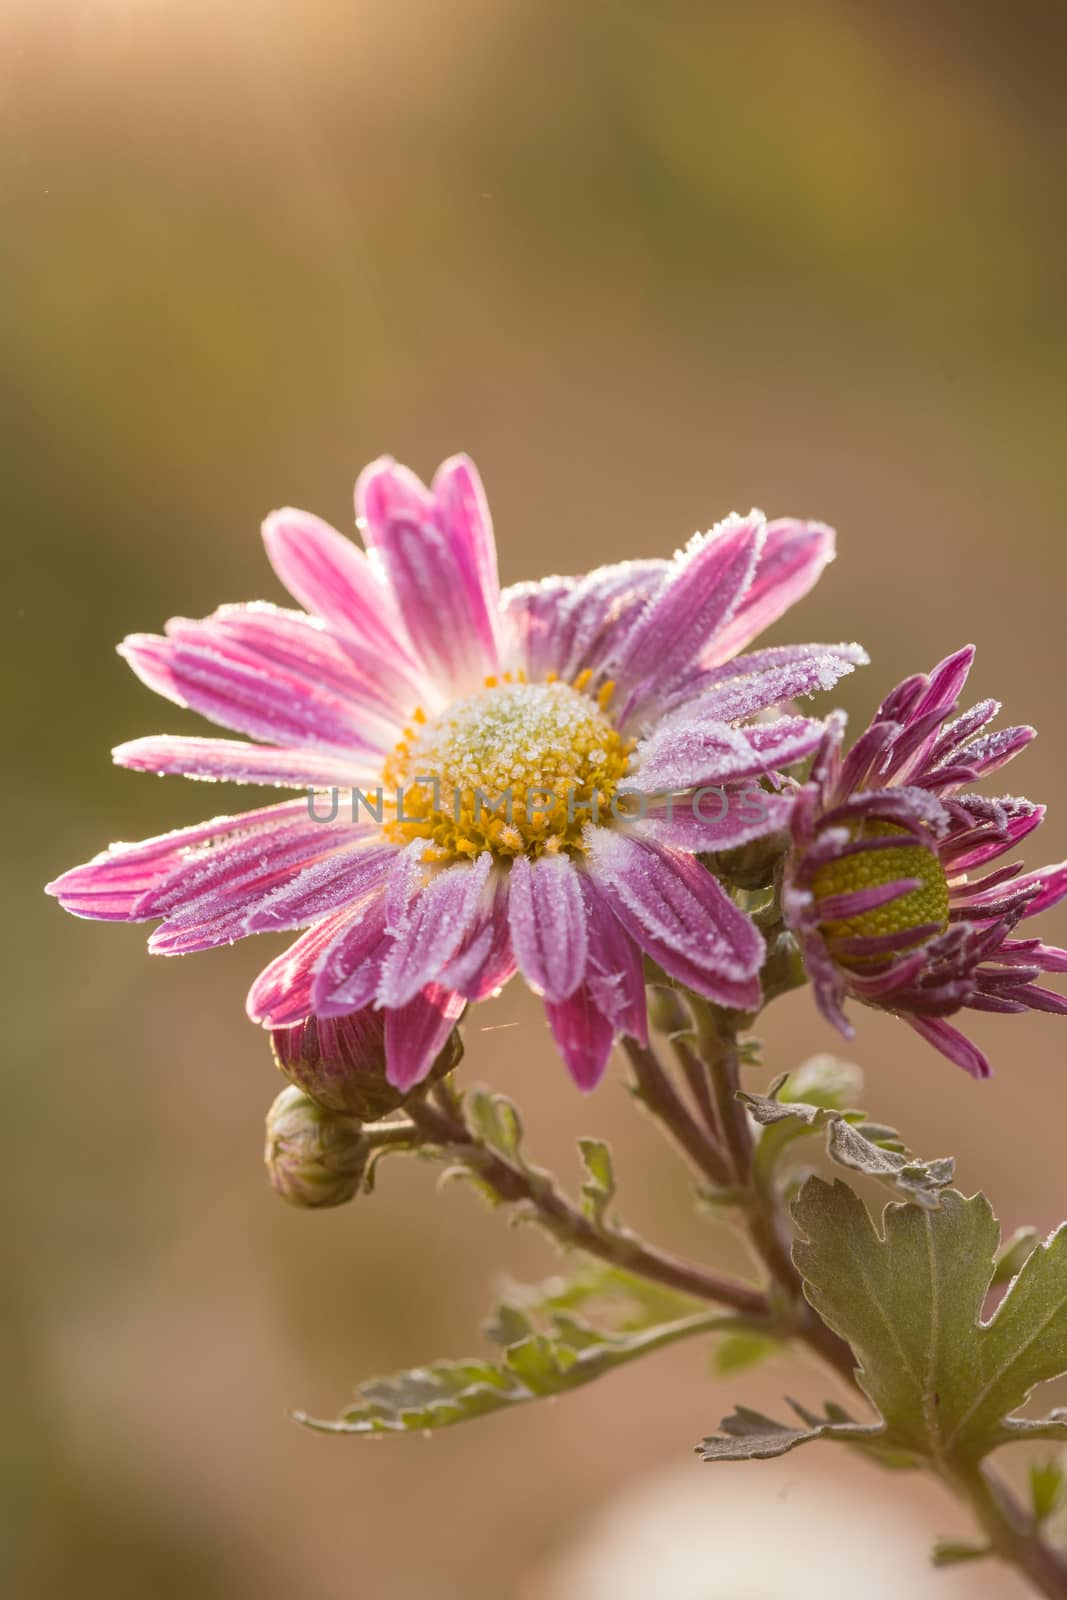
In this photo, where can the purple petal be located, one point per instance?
(839, 907)
(416, 1033)
(689, 751)
(548, 924)
(322, 888)
(749, 684)
(792, 560)
(615, 975)
(952, 1044)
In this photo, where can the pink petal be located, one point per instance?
(232, 761)
(484, 961)
(322, 888)
(749, 684)
(698, 597)
(416, 1033)
(349, 968)
(792, 560)
(583, 1036)
(438, 918)
(548, 924)
(116, 884)
(680, 915)
(615, 974)
(282, 994)
(332, 578)
(240, 689)
(720, 819)
(434, 559)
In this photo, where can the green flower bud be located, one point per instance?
(315, 1157)
(340, 1063)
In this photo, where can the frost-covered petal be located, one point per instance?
(698, 596)
(417, 1032)
(548, 924)
(333, 579)
(583, 1035)
(691, 751)
(232, 761)
(433, 558)
(117, 885)
(679, 914)
(715, 818)
(484, 961)
(952, 1043)
(282, 994)
(437, 918)
(793, 558)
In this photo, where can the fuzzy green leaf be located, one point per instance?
(750, 1436)
(1012, 1255)
(1047, 1485)
(909, 1302)
(533, 1365)
(739, 1351)
(851, 1141)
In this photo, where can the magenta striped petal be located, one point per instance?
(326, 886)
(349, 968)
(484, 961)
(416, 1033)
(691, 606)
(282, 994)
(333, 579)
(583, 1036)
(463, 513)
(750, 684)
(792, 560)
(680, 915)
(953, 1044)
(548, 925)
(689, 751)
(435, 574)
(438, 917)
(231, 761)
(615, 974)
(231, 687)
(838, 907)
(715, 819)
(116, 885)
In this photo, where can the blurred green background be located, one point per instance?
(646, 262)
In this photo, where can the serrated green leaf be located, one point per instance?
(1013, 1254)
(909, 1302)
(633, 1303)
(536, 1365)
(851, 1141)
(750, 1436)
(952, 1552)
(598, 1187)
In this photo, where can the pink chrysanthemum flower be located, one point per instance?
(879, 885)
(412, 678)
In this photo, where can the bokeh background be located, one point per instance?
(647, 263)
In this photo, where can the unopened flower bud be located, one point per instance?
(315, 1157)
(340, 1063)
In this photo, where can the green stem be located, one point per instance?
(444, 1126)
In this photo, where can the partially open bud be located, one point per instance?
(340, 1063)
(315, 1157)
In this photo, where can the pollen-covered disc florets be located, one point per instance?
(921, 912)
(518, 769)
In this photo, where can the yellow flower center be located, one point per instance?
(519, 769)
(869, 869)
